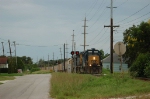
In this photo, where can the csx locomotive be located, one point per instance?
(91, 59)
(88, 62)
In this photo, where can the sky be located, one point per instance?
(40, 28)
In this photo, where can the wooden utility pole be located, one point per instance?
(111, 36)
(15, 52)
(61, 58)
(73, 41)
(10, 48)
(64, 57)
(66, 50)
(53, 61)
(48, 62)
(84, 34)
(3, 47)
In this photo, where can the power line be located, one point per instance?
(122, 3)
(137, 18)
(100, 38)
(92, 7)
(134, 13)
(97, 10)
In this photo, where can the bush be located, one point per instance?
(147, 70)
(32, 67)
(35, 69)
(141, 66)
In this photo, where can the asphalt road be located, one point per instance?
(35, 86)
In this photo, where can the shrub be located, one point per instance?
(35, 69)
(147, 70)
(140, 67)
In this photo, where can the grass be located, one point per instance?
(12, 74)
(85, 86)
(2, 78)
(42, 72)
(6, 76)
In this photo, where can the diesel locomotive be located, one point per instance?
(91, 61)
(88, 62)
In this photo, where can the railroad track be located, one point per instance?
(142, 78)
(98, 75)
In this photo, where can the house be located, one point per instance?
(116, 63)
(3, 62)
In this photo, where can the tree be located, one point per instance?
(29, 60)
(148, 21)
(12, 65)
(20, 64)
(26, 60)
(103, 55)
(137, 41)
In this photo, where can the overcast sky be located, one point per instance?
(41, 27)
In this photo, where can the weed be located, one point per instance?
(85, 86)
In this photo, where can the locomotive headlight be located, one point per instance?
(90, 64)
(93, 58)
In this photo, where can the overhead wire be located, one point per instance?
(92, 7)
(123, 3)
(97, 10)
(100, 37)
(136, 18)
(104, 22)
(134, 13)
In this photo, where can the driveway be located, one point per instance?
(35, 86)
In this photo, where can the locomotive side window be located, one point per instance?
(95, 52)
(89, 52)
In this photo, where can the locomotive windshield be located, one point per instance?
(93, 52)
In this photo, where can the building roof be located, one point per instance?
(3, 60)
(116, 59)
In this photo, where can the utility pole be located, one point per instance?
(111, 36)
(73, 41)
(10, 48)
(66, 50)
(53, 61)
(84, 34)
(74, 59)
(3, 47)
(61, 57)
(64, 57)
(48, 62)
(15, 52)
